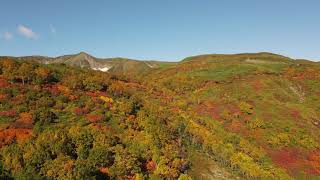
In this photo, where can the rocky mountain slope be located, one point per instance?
(84, 60)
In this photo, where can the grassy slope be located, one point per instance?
(283, 116)
(253, 118)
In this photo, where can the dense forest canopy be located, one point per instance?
(256, 116)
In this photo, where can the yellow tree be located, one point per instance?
(42, 74)
(25, 72)
(8, 68)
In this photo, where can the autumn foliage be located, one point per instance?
(256, 116)
(94, 118)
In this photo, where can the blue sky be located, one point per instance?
(162, 29)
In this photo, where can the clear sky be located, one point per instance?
(159, 29)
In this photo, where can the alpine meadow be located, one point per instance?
(210, 90)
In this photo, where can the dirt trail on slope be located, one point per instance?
(205, 168)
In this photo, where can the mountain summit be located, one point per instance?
(85, 60)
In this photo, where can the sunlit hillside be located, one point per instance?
(242, 116)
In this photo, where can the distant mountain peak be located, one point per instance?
(84, 54)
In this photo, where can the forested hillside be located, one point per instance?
(247, 116)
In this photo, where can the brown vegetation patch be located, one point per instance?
(257, 85)
(96, 94)
(151, 165)
(18, 131)
(3, 96)
(236, 126)
(80, 111)
(94, 118)
(211, 109)
(25, 121)
(314, 162)
(9, 136)
(287, 158)
(9, 113)
(175, 110)
(3, 82)
(104, 170)
(63, 89)
(297, 160)
(102, 127)
(295, 113)
(53, 89)
(19, 99)
(73, 97)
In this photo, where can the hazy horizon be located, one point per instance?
(163, 60)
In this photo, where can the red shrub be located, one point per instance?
(53, 89)
(210, 109)
(18, 99)
(94, 118)
(91, 94)
(9, 113)
(3, 82)
(25, 121)
(3, 96)
(289, 158)
(314, 162)
(257, 85)
(131, 117)
(78, 111)
(295, 113)
(151, 165)
(104, 170)
(73, 97)
(9, 136)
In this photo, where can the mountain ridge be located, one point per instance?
(85, 60)
(127, 65)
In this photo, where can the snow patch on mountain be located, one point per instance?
(103, 69)
(151, 66)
